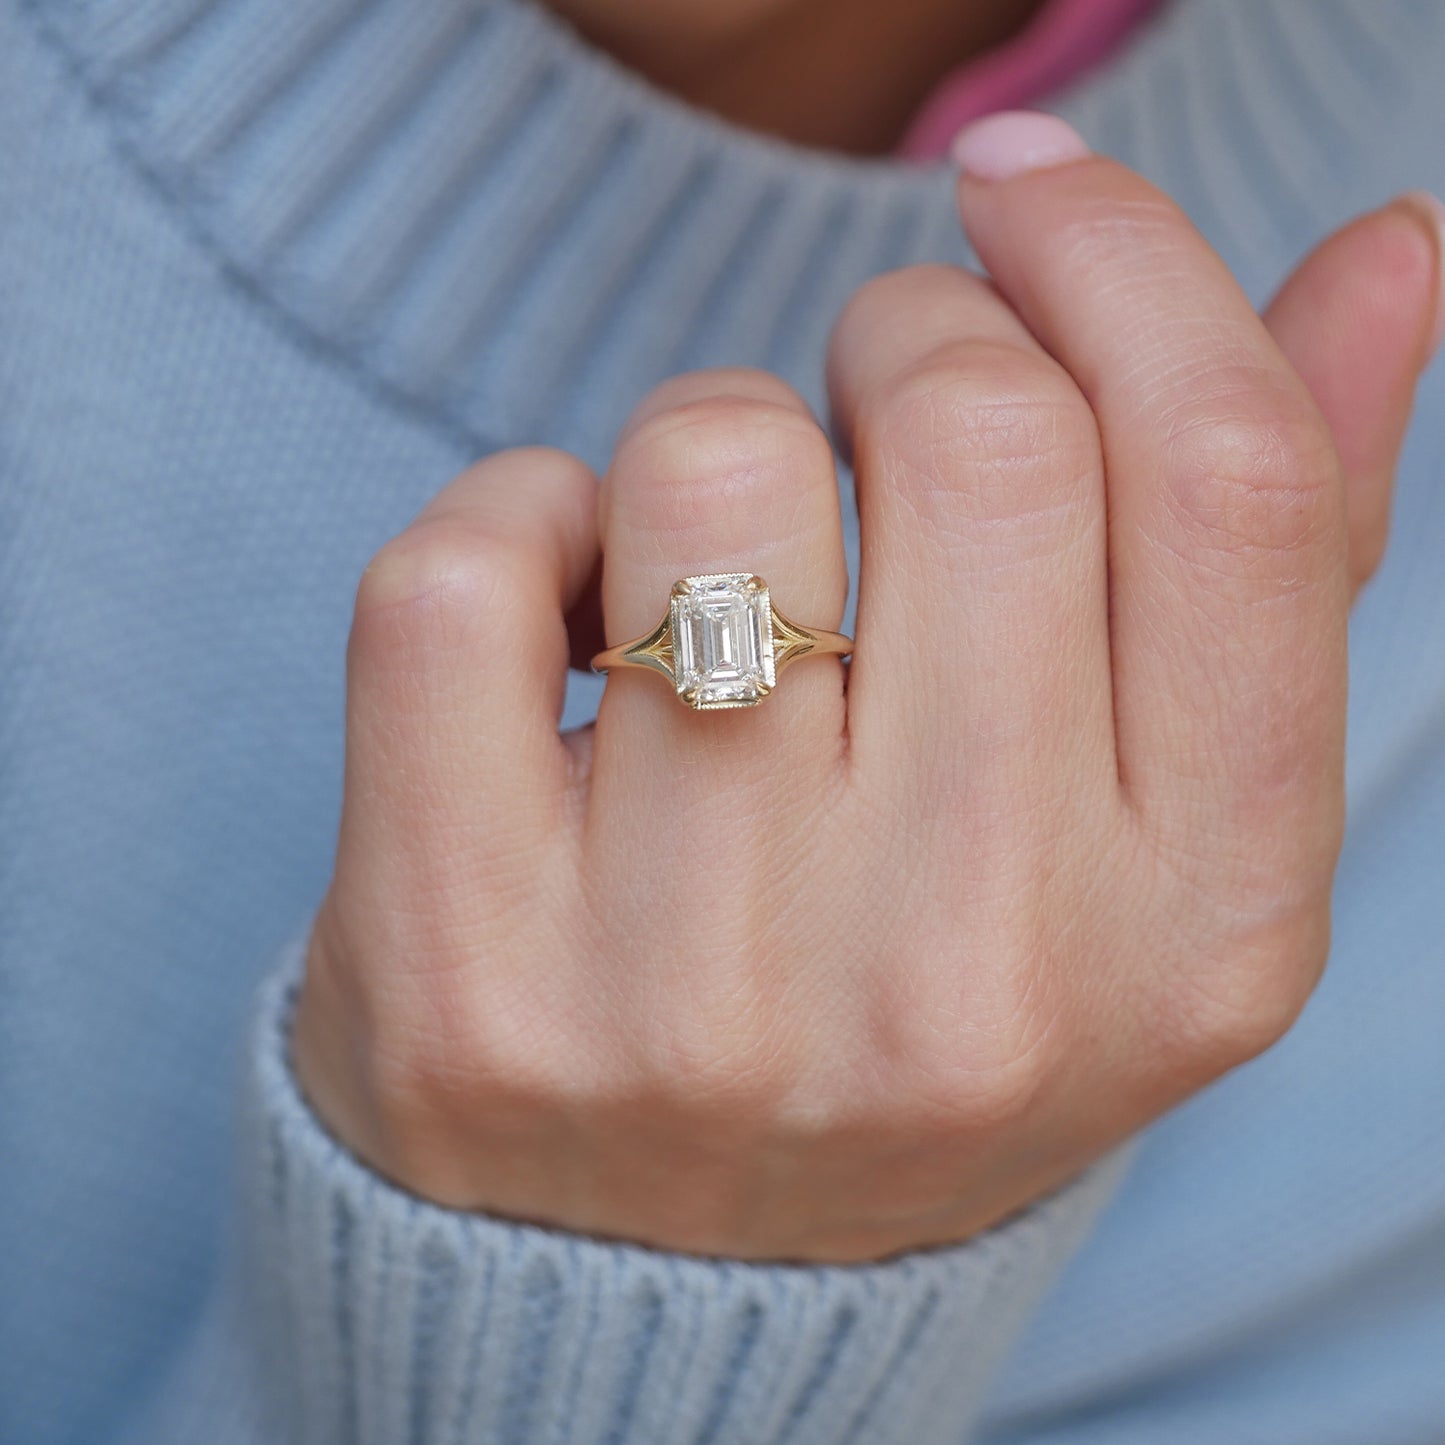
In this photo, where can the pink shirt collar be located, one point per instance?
(1063, 40)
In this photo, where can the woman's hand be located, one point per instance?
(875, 964)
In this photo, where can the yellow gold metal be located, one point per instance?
(656, 650)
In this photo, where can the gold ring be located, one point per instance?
(722, 642)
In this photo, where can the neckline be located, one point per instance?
(513, 236)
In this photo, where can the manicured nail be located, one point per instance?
(1005, 145)
(1432, 210)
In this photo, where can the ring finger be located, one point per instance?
(718, 472)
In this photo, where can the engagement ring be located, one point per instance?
(722, 642)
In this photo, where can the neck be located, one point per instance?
(844, 75)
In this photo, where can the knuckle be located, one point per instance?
(690, 466)
(998, 1095)
(717, 1057)
(437, 1083)
(738, 384)
(894, 292)
(988, 1090)
(1250, 470)
(521, 469)
(523, 488)
(983, 430)
(973, 1057)
(456, 1045)
(1246, 996)
(439, 581)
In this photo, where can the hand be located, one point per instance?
(879, 962)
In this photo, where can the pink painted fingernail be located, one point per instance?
(1433, 210)
(1000, 147)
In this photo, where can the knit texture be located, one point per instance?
(271, 271)
(365, 1315)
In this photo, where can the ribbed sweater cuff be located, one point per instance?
(381, 1318)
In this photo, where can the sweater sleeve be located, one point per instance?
(348, 1312)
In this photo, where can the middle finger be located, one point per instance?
(982, 671)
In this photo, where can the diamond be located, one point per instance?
(722, 631)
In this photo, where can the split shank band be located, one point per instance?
(722, 643)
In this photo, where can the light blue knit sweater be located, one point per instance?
(271, 271)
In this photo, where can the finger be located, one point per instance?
(982, 664)
(719, 472)
(1226, 502)
(1359, 320)
(457, 669)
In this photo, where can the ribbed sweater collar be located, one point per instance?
(496, 224)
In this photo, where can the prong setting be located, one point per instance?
(722, 640)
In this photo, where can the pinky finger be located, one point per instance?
(1359, 319)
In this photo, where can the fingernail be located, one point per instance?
(1000, 147)
(1432, 210)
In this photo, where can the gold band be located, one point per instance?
(722, 643)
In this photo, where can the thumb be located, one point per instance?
(1359, 320)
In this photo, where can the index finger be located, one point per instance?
(1227, 532)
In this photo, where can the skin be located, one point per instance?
(966, 912)
(842, 74)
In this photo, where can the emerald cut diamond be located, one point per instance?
(722, 638)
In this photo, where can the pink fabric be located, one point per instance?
(1065, 38)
